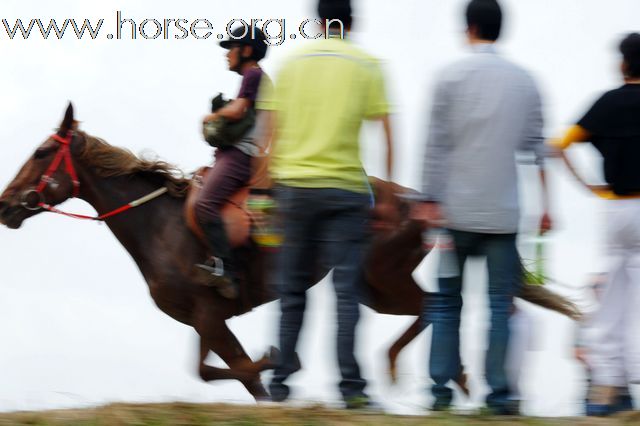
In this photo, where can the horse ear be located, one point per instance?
(68, 121)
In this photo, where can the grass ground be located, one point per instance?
(242, 415)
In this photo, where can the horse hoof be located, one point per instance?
(270, 358)
(393, 374)
(461, 381)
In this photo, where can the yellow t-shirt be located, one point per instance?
(321, 96)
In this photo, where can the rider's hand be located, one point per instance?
(209, 117)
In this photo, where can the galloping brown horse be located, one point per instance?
(72, 163)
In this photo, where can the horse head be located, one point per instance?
(47, 178)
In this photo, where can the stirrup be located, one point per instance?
(216, 277)
(214, 265)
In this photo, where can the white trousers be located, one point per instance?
(614, 350)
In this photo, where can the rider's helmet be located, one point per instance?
(244, 36)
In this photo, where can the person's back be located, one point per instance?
(324, 92)
(491, 104)
(484, 109)
(615, 129)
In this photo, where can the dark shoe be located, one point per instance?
(601, 401)
(362, 402)
(599, 410)
(443, 396)
(279, 392)
(624, 402)
(219, 277)
(440, 406)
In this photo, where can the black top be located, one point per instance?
(614, 124)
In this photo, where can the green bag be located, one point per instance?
(222, 132)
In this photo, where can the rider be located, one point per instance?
(232, 167)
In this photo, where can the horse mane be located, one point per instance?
(110, 161)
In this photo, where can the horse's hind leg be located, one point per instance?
(397, 346)
(220, 340)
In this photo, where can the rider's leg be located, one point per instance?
(231, 171)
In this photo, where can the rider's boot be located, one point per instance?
(219, 266)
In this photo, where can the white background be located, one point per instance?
(77, 326)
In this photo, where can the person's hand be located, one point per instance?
(429, 213)
(580, 354)
(552, 148)
(599, 190)
(546, 224)
(209, 117)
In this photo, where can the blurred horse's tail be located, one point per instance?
(541, 296)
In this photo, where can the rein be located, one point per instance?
(64, 153)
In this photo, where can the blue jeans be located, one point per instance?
(323, 228)
(443, 311)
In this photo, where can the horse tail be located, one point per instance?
(541, 296)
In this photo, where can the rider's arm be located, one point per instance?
(235, 110)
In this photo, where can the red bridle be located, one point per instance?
(64, 154)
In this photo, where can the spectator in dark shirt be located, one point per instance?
(612, 125)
